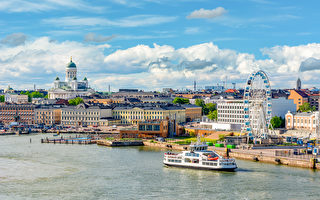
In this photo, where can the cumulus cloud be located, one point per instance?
(152, 67)
(208, 14)
(310, 64)
(43, 58)
(92, 37)
(289, 58)
(14, 39)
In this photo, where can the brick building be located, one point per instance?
(22, 113)
(193, 112)
(147, 129)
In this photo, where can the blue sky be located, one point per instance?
(151, 44)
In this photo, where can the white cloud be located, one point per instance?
(43, 58)
(152, 67)
(14, 39)
(45, 5)
(131, 21)
(209, 14)
(92, 37)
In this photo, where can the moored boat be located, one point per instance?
(199, 157)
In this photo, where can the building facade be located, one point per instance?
(193, 112)
(299, 97)
(133, 114)
(22, 113)
(16, 98)
(71, 87)
(84, 115)
(302, 121)
(314, 101)
(147, 129)
(48, 115)
(232, 111)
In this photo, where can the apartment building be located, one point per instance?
(132, 114)
(84, 115)
(48, 114)
(22, 113)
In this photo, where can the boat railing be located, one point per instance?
(174, 156)
(227, 160)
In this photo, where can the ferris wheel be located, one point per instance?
(257, 105)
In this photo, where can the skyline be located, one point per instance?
(153, 44)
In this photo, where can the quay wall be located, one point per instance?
(246, 155)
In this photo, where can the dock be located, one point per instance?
(68, 141)
(119, 143)
(279, 157)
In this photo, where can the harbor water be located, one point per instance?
(31, 170)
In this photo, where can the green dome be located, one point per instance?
(74, 78)
(71, 64)
(57, 79)
(85, 79)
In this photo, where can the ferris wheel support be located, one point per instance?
(257, 106)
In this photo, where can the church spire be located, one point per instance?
(70, 58)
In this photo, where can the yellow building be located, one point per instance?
(47, 115)
(133, 114)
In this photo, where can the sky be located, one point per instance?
(155, 44)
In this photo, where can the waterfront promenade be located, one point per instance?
(256, 155)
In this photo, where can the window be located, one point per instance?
(149, 127)
(142, 127)
(157, 127)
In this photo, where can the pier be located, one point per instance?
(119, 143)
(68, 141)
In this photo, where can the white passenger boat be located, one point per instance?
(199, 157)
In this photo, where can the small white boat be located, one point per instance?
(199, 157)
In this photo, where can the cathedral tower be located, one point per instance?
(71, 71)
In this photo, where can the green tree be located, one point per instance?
(200, 102)
(2, 98)
(213, 115)
(75, 101)
(180, 100)
(37, 94)
(277, 122)
(305, 107)
(46, 97)
(211, 107)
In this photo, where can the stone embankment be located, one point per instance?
(119, 143)
(265, 155)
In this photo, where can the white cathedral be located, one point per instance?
(71, 87)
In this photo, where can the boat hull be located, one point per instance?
(202, 167)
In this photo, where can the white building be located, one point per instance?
(232, 111)
(84, 115)
(16, 98)
(71, 87)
